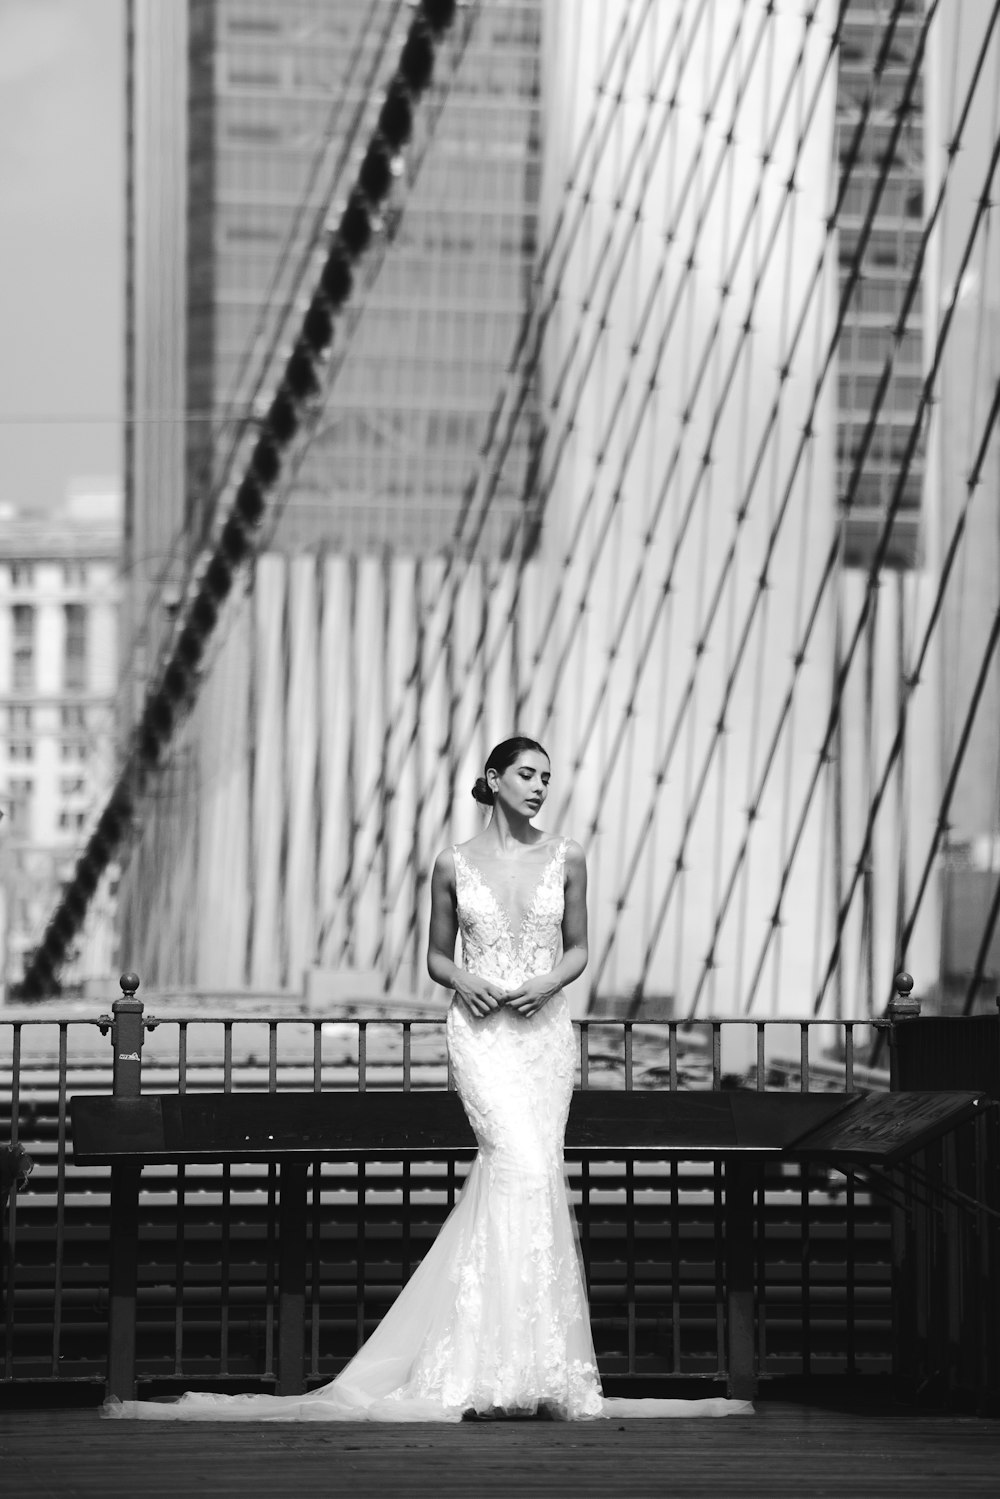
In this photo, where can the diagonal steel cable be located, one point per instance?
(805, 440)
(893, 508)
(163, 710)
(926, 398)
(912, 679)
(831, 52)
(643, 325)
(183, 545)
(602, 320)
(506, 415)
(673, 463)
(613, 651)
(453, 577)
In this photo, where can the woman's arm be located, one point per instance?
(477, 994)
(532, 995)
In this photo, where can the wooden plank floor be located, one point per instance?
(782, 1450)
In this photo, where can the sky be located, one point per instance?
(61, 246)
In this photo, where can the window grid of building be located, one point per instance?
(407, 417)
(75, 647)
(23, 663)
(19, 793)
(868, 335)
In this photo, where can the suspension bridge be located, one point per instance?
(726, 542)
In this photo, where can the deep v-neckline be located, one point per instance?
(501, 909)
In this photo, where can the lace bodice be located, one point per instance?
(491, 947)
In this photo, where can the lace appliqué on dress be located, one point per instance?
(521, 1292)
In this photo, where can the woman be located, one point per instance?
(518, 897)
(494, 1321)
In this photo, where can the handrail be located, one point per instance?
(646, 1294)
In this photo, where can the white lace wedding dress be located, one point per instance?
(494, 1320)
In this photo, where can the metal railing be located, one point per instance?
(651, 1232)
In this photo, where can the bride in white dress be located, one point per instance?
(494, 1321)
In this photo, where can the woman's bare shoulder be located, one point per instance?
(470, 843)
(444, 864)
(572, 846)
(575, 856)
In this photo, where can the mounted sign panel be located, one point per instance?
(886, 1127)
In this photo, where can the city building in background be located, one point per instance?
(733, 554)
(917, 268)
(59, 588)
(274, 87)
(246, 121)
(880, 153)
(246, 124)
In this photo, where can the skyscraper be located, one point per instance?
(880, 152)
(246, 123)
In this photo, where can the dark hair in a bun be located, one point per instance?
(501, 757)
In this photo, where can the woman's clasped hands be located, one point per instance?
(481, 996)
(528, 998)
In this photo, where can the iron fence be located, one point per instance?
(651, 1232)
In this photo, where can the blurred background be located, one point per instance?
(619, 373)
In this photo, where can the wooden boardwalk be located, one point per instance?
(784, 1450)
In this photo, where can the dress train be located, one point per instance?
(425, 1360)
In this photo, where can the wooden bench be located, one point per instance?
(740, 1128)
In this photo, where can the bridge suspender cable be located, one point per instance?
(170, 695)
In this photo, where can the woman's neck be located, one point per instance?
(508, 833)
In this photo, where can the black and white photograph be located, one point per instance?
(499, 748)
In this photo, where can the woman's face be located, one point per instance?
(523, 786)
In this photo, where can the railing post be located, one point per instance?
(741, 1355)
(126, 1040)
(902, 1006)
(292, 1278)
(126, 1026)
